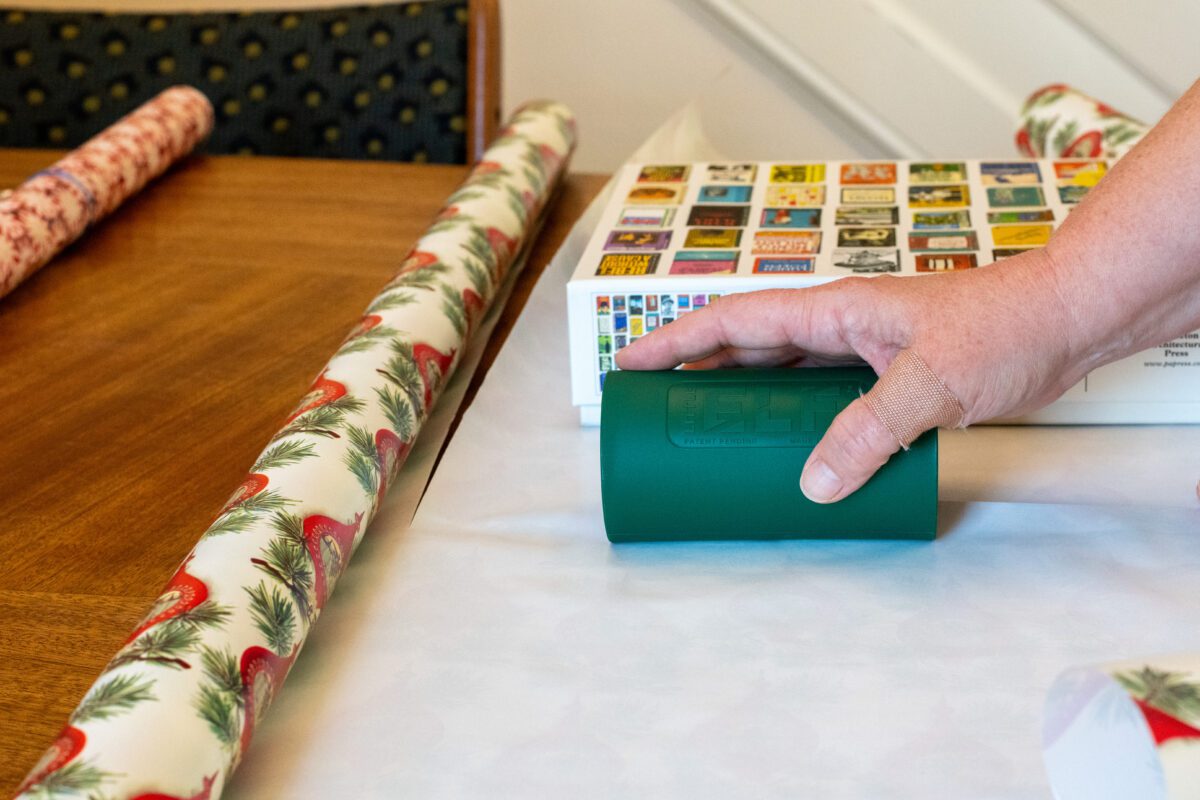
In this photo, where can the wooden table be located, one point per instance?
(144, 369)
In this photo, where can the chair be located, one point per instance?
(410, 81)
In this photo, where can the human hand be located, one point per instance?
(998, 337)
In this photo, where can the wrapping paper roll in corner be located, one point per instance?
(54, 207)
(173, 713)
(1058, 121)
(1126, 730)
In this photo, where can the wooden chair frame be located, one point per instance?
(483, 75)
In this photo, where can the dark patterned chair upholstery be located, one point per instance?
(384, 82)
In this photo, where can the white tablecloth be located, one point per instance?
(500, 647)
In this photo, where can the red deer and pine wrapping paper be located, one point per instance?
(1060, 122)
(55, 206)
(1125, 730)
(174, 711)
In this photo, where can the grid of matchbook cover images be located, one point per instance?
(805, 223)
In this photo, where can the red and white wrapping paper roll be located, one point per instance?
(1060, 122)
(54, 207)
(172, 714)
(1124, 731)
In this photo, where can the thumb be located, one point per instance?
(856, 445)
(907, 400)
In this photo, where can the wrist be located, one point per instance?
(1094, 326)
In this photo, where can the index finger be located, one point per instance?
(762, 320)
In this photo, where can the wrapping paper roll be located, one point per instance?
(1124, 731)
(1060, 122)
(717, 454)
(174, 711)
(54, 207)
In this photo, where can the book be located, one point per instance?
(674, 237)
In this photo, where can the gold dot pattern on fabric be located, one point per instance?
(362, 82)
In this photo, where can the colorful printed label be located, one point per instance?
(1079, 173)
(938, 196)
(937, 172)
(868, 173)
(656, 194)
(787, 243)
(946, 220)
(1004, 196)
(1036, 215)
(790, 218)
(1021, 235)
(628, 264)
(866, 215)
(713, 237)
(725, 194)
(866, 237)
(718, 216)
(1072, 194)
(993, 173)
(869, 196)
(795, 195)
(797, 173)
(942, 240)
(945, 262)
(780, 266)
(646, 217)
(664, 173)
(867, 260)
(732, 173)
(638, 240)
(704, 262)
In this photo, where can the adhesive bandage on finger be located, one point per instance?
(909, 399)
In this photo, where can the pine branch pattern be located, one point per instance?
(164, 644)
(401, 370)
(239, 518)
(219, 700)
(424, 278)
(112, 697)
(390, 301)
(398, 409)
(454, 309)
(1170, 692)
(274, 616)
(367, 341)
(477, 245)
(323, 420)
(286, 560)
(363, 460)
(71, 780)
(284, 454)
(480, 279)
(516, 203)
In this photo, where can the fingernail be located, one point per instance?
(820, 483)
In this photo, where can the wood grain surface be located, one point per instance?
(143, 370)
